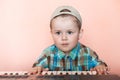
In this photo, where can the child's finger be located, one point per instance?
(33, 71)
(92, 69)
(39, 69)
(99, 70)
(45, 69)
(106, 70)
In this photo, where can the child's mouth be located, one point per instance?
(65, 44)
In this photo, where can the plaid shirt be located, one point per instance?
(81, 58)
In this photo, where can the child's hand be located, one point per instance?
(37, 70)
(101, 69)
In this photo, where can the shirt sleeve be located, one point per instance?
(95, 59)
(42, 59)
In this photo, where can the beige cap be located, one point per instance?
(70, 10)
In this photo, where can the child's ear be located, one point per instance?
(81, 33)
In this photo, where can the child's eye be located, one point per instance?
(58, 33)
(70, 32)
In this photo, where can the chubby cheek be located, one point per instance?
(56, 39)
(73, 42)
(74, 39)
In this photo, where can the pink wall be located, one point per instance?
(24, 30)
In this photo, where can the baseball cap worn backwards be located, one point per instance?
(66, 10)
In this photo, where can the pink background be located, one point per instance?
(24, 30)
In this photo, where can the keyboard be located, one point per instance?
(57, 75)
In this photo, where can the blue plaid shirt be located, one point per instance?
(81, 58)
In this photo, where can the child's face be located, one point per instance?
(65, 33)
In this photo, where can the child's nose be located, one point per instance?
(64, 37)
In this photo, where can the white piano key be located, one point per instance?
(44, 73)
(94, 72)
(2, 73)
(61, 73)
(54, 73)
(68, 72)
(49, 72)
(73, 73)
(89, 72)
(84, 72)
(78, 72)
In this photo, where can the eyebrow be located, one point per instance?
(56, 30)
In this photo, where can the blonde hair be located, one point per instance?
(66, 15)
